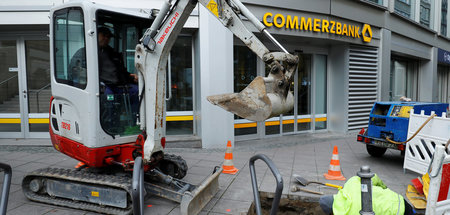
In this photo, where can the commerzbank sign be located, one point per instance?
(318, 25)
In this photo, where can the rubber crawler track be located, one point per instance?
(97, 179)
(119, 182)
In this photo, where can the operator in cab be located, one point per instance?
(113, 75)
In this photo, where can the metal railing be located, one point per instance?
(6, 185)
(7, 92)
(279, 179)
(37, 92)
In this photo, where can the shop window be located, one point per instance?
(403, 79)
(444, 17)
(179, 120)
(304, 93)
(70, 52)
(244, 72)
(405, 8)
(320, 67)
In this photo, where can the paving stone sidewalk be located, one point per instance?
(307, 155)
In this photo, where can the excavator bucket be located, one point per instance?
(257, 102)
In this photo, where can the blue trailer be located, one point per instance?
(391, 120)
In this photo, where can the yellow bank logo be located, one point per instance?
(367, 33)
(317, 25)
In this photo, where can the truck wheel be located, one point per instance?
(375, 151)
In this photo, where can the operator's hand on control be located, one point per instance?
(135, 77)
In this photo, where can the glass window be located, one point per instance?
(380, 2)
(69, 47)
(444, 17)
(244, 72)
(179, 107)
(425, 13)
(405, 8)
(320, 67)
(304, 93)
(181, 75)
(404, 79)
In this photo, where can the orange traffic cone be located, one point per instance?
(80, 164)
(228, 166)
(334, 171)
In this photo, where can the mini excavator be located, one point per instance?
(118, 134)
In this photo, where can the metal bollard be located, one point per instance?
(6, 185)
(366, 190)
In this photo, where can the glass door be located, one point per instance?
(10, 115)
(25, 88)
(37, 64)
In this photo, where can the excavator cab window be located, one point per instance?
(70, 54)
(117, 36)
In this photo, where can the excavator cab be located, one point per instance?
(95, 92)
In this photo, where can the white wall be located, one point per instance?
(216, 77)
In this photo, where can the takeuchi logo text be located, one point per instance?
(172, 21)
(318, 25)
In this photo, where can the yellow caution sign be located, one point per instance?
(212, 6)
(95, 194)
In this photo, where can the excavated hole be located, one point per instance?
(289, 205)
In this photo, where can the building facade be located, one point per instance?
(352, 53)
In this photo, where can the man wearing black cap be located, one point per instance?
(112, 70)
(114, 77)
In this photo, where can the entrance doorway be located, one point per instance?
(24, 87)
(310, 93)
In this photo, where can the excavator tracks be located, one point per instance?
(45, 185)
(86, 189)
(174, 166)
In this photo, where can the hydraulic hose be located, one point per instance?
(418, 130)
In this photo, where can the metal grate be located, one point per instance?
(363, 85)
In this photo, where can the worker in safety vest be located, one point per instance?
(348, 200)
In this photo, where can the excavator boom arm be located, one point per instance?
(263, 98)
